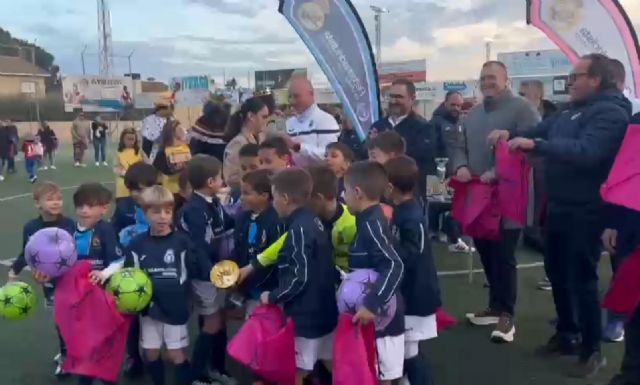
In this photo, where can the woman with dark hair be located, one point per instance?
(245, 126)
(207, 135)
(152, 127)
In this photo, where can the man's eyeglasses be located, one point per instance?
(575, 75)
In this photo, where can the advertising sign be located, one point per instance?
(97, 94)
(190, 91)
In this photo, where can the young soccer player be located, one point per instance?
(339, 157)
(249, 161)
(47, 199)
(31, 157)
(365, 183)
(305, 289)
(274, 154)
(171, 262)
(385, 146)
(211, 229)
(138, 177)
(184, 190)
(419, 287)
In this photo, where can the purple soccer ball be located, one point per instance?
(51, 251)
(354, 289)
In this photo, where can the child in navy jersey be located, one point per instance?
(210, 228)
(365, 183)
(385, 146)
(138, 177)
(47, 198)
(274, 154)
(306, 287)
(171, 262)
(419, 287)
(339, 157)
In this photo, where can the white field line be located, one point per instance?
(27, 195)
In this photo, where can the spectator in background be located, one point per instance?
(579, 146)
(50, 144)
(99, 132)
(207, 135)
(276, 124)
(413, 128)
(245, 126)
(80, 138)
(311, 129)
(533, 91)
(349, 137)
(446, 123)
(473, 157)
(4, 148)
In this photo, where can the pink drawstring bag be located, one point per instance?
(512, 173)
(475, 206)
(444, 320)
(622, 187)
(354, 353)
(265, 344)
(623, 295)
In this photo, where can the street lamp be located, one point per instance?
(378, 11)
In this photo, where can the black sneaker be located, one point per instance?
(590, 367)
(505, 330)
(484, 318)
(559, 345)
(133, 368)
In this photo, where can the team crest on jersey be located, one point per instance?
(95, 242)
(169, 257)
(318, 223)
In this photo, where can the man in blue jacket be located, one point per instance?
(578, 147)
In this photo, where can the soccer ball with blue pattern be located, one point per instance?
(131, 289)
(17, 301)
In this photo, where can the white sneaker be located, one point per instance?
(223, 379)
(97, 164)
(105, 164)
(76, 164)
(1, 178)
(459, 247)
(45, 168)
(53, 167)
(83, 165)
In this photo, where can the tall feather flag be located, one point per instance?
(336, 37)
(580, 27)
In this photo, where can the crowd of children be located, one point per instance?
(293, 231)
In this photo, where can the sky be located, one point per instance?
(232, 38)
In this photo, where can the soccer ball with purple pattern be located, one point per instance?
(51, 251)
(354, 289)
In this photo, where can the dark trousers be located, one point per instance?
(571, 261)
(630, 369)
(499, 263)
(11, 164)
(78, 151)
(99, 147)
(440, 219)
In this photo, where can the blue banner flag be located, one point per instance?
(337, 39)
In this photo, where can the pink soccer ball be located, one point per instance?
(51, 251)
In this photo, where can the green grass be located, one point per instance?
(460, 356)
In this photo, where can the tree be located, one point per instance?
(11, 46)
(232, 84)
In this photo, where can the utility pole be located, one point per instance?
(84, 50)
(378, 11)
(35, 96)
(129, 60)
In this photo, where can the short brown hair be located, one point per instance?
(92, 194)
(402, 173)
(388, 142)
(295, 182)
(342, 148)
(408, 84)
(156, 196)
(259, 180)
(140, 175)
(325, 182)
(45, 188)
(201, 168)
(370, 177)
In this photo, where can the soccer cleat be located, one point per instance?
(484, 318)
(53, 167)
(589, 367)
(614, 331)
(459, 247)
(505, 330)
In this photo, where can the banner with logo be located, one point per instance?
(190, 91)
(580, 27)
(97, 94)
(337, 39)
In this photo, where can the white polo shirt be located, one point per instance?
(314, 129)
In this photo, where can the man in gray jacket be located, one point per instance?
(473, 157)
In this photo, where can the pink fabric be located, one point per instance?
(354, 353)
(512, 172)
(444, 321)
(622, 187)
(475, 206)
(265, 344)
(623, 295)
(93, 330)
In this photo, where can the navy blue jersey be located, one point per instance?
(208, 225)
(170, 262)
(341, 191)
(306, 276)
(253, 234)
(124, 214)
(32, 227)
(419, 287)
(372, 248)
(99, 245)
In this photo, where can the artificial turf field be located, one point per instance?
(462, 355)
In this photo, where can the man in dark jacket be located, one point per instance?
(446, 123)
(578, 146)
(415, 130)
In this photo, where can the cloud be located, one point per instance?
(248, 8)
